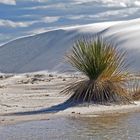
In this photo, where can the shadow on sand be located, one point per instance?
(52, 109)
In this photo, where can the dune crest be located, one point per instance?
(45, 51)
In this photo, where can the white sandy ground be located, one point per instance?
(30, 92)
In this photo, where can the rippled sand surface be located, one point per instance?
(30, 97)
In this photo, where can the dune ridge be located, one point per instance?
(45, 51)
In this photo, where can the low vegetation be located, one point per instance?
(136, 90)
(105, 69)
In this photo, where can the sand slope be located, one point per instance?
(46, 51)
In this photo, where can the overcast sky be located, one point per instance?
(25, 17)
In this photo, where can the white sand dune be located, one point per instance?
(45, 52)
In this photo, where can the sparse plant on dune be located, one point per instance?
(135, 91)
(104, 66)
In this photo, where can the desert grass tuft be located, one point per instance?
(105, 69)
(135, 91)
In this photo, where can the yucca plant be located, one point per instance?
(105, 69)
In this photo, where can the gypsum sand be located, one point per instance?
(28, 97)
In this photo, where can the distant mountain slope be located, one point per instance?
(46, 51)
